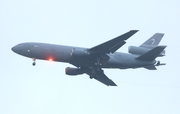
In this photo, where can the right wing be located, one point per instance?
(105, 80)
(112, 45)
(101, 77)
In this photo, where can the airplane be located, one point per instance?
(92, 61)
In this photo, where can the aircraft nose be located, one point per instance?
(13, 49)
(16, 49)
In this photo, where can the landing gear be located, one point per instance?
(98, 63)
(91, 77)
(34, 63)
(95, 72)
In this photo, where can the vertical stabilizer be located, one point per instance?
(153, 41)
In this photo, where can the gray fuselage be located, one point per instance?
(77, 56)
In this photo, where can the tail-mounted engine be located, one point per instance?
(74, 71)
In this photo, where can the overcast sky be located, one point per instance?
(45, 89)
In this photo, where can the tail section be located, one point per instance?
(147, 45)
(153, 41)
(152, 54)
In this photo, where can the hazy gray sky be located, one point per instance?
(45, 89)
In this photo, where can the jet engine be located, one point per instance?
(73, 71)
(142, 50)
(78, 53)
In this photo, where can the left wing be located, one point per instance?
(112, 45)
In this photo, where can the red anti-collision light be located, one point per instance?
(50, 59)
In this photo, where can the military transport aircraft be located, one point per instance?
(92, 60)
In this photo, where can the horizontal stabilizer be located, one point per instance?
(152, 54)
(112, 45)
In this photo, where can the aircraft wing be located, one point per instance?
(101, 77)
(112, 45)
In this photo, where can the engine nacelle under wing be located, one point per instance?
(142, 50)
(73, 71)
